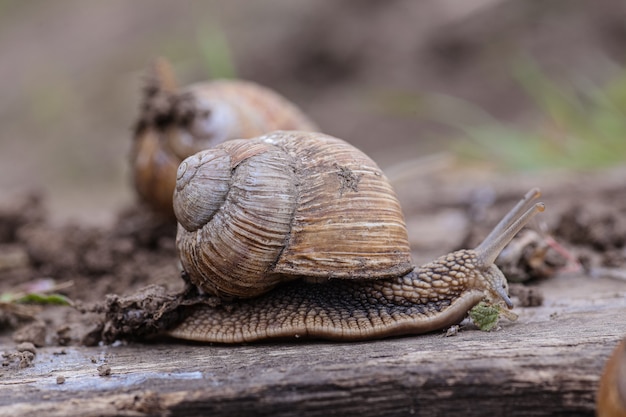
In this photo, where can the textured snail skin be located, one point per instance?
(301, 235)
(176, 123)
(611, 399)
(428, 298)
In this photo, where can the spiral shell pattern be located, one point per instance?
(298, 205)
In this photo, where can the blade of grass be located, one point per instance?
(215, 51)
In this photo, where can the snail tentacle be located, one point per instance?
(489, 249)
(513, 214)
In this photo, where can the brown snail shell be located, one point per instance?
(300, 235)
(286, 205)
(176, 123)
(611, 399)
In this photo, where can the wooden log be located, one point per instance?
(546, 363)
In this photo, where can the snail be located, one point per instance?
(176, 123)
(299, 234)
(611, 398)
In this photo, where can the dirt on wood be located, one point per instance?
(82, 263)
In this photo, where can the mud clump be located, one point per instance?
(599, 236)
(600, 230)
(148, 312)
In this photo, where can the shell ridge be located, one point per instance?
(246, 235)
(339, 213)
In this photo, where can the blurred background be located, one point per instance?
(513, 85)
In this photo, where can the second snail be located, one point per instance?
(177, 122)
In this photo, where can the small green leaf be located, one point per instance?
(485, 315)
(38, 298)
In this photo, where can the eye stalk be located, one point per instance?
(500, 236)
(509, 226)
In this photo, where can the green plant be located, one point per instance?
(581, 128)
(215, 51)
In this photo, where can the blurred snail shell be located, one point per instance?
(611, 399)
(301, 234)
(176, 123)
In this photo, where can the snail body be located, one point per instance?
(178, 122)
(301, 235)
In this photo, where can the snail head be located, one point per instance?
(486, 275)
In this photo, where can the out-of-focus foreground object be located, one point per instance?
(611, 400)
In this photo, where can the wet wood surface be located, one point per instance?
(546, 363)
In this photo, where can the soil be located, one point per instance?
(85, 263)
